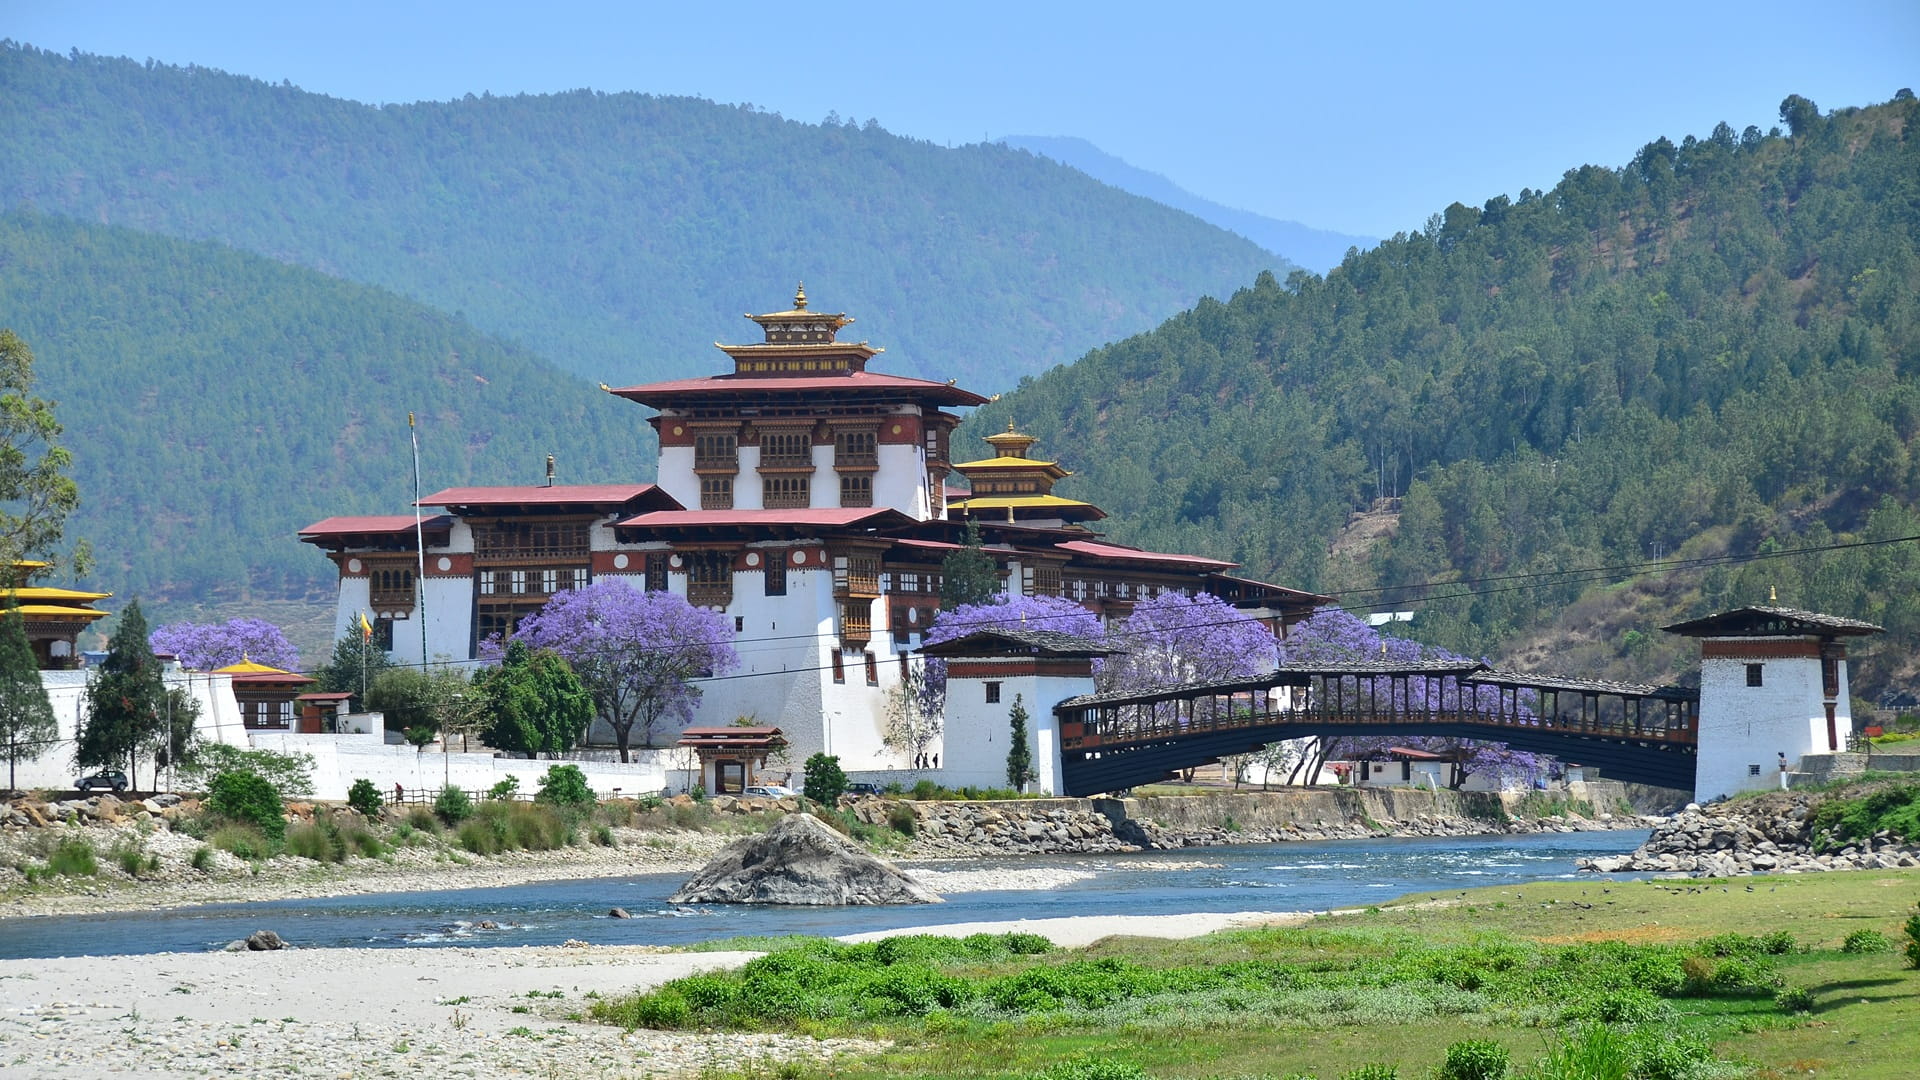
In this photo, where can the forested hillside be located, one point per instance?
(215, 402)
(617, 234)
(1712, 350)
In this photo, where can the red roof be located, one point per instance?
(334, 695)
(1114, 551)
(856, 382)
(935, 545)
(541, 495)
(829, 517)
(374, 525)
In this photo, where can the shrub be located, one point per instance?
(1913, 940)
(1090, 1068)
(291, 774)
(452, 805)
(1475, 1059)
(364, 798)
(513, 826)
(242, 841)
(1793, 999)
(132, 859)
(1664, 1053)
(565, 786)
(73, 857)
(1372, 1071)
(925, 789)
(603, 835)
(825, 781)
(422, 819)
(248, 798)
(202, 859)
(900, 819)
(1866, 941)
(317, 841)
(505, 788)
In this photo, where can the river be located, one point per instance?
(1265, 877)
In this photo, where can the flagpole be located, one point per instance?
(419, 544)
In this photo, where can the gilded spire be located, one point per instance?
(800, 297)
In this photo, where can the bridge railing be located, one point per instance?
(1096, 726)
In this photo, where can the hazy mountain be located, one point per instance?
(1318, 250)
(618, 234)
(1712, 350)
(215, 402)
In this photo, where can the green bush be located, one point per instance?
(825, 781)
(132, 859)
(1475, 1059)
(1912, 949)
(452, 805)
(1090, 1068)
(202, 859)
(316, 841)
(924, 789)
(73, 857)
(242, 841)
(1793, 999)
(505, 788)
(603, 835)
(900, 819)
(1866, 941)
(514, 826)
(364, 798)
(1372, 1071)
(248, 798)
(565, 786)
(422, 819)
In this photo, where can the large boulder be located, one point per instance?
(800, 861)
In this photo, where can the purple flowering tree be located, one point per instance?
(1172, 639)
(206, 647)
(637, 652)
(1333, 636)
(914, 714)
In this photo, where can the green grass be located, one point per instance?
(1583, 978)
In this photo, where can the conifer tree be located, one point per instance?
(968, 576)
(27, 726)
(126, 705)
(1019, 754)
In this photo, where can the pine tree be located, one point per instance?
(126, 705)
(1019, 754)
(27, 726)
(968, 576)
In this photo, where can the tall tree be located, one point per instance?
(208, 646)
(637, 652)
(968, 576)
(36, 494)
(1019, 754)
(533, 702)
(126, 703)
(916, 711)
(27, 725)
(356, 663)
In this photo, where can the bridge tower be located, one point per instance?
(986, 671)
(1773, 688)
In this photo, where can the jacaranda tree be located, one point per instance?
(639, 653)
(208, 646)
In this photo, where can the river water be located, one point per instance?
(1266, 877)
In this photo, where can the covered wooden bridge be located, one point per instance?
(1632, 732)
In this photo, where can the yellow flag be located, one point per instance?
(366, 628)
(409, 417)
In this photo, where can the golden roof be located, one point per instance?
(35, 592)
(249, 667)
(1023, 502)
(59, 611)
(1009, 461)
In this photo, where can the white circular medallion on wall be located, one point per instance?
(445, 564)
(679, 430)
(353, 566)
(896, 429)
(673, 561)
(753, 558)
(799, 557)
(620, 562)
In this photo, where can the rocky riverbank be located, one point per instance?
(1768, 834)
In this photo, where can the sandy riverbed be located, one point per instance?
(452, 1012)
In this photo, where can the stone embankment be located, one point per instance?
(1100, 826)
(1766, 835)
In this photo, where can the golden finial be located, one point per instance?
(1009, 425)
(800, 297)
(1773, 595)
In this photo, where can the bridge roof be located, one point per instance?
(1182, 690)
(1000, 641)
(1378, 668)
(1525, 681)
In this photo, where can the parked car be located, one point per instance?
(770, 791)
(109, 778)
(863, 788)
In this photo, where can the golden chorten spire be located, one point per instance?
(800, 297)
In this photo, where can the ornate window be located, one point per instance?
(786, 450)
(716, 450)
(785, 492)
(531, 539)
(856, 489)
(390, 586)
(856, 623)
(776, 572)
(656, 571)
(855, 450)
(716, 493)
(710, 578)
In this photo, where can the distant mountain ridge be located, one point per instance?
(1318, 250)
(618, 234)
(216, 402)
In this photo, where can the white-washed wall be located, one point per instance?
(66, 690)
(339, 760)
(1743, 726)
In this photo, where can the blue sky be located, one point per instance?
(1363, 118)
